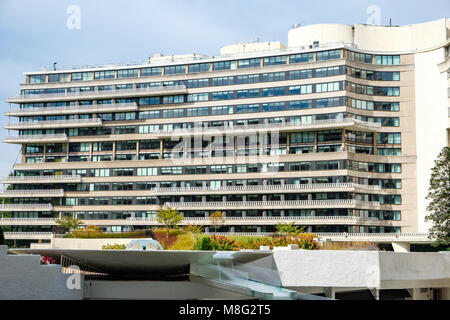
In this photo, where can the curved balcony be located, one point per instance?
(297, 188)
(95, 108)
(73, 123)
(99, 94)
(38, 138)
(26, 207)
(45, 193)
(341, 123)
(289, 204)
(41, 179)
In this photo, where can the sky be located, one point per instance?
(34, 34)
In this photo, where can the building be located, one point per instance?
(337, 132)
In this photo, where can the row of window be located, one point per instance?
(214, 66)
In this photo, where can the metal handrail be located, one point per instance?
(33, 192)
(25, 124)
(33, 178)
(97, 92)
(63, 110)
(266, 187)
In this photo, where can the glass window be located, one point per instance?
(301, 58)
(328, 55)
(273, 61)
(224, 65)
(149, 72)
(127, 73)
(40, 78)
(249, 63)
(175, 69)
(199, 67)
(103, 75)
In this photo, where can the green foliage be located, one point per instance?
(221, 243)
(169, 217)
(439, 196)
(106, 235)
(68, 222)
(217, 219)
(194, 228)
(114, 247)
(2, 237)
(203, 243)
(288, 229)
(184, 242)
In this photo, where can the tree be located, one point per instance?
(2, 237)
(288, 229)
(169, 217)
(70, 223)
(217, 219)
(439, 196)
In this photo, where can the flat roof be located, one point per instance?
(138, 262)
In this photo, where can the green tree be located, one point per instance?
(217, 219)
(2, 237)
(169, 217)
(439, 196)
(69, 223)
(288, 229)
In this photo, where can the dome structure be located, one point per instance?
(144, 244)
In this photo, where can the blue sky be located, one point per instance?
(33, 34)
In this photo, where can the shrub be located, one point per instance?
(114, 247)
(203, 243)
(184, 242)
(194, 228)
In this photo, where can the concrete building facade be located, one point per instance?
(337, 132)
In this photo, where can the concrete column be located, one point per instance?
(329, 292)
(283, 213)
(258, 229)
(232, 229)
(344, 148)
(264, 213)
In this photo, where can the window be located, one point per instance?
(302, 137)
(153, 114)
(147, 171)
(197, 83)
(247, 108)
(224, 65)
(149, 72)
(305, 89)
(125, 116)
(301, 58)
(58, 77)
(389, 138)
(274, 106)
(328, 55)
(149, 128)
(104, 75)
(252, 78)
(82, 76)
(223, 95)
(221, 110)
(274, 76)
(360, 57)
(171, 170)
(327, 72)
(302, 104)
(222, 81)
(300, 74)
(175, 69)
(173, 113)
(127, 73)
(197, 97)
(249, 63)
(125, 145)
(173, 99)
(123, 172)
(273, 61)
(99, 172)
(245, 94)
(197, 112)
(124, 130)
(149, 101)
(387, 60)
(327, 87)
(40, 78)
(199, 67)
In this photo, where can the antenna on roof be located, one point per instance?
(54, 65)
(390, 22)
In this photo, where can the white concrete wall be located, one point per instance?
(82, 244)
(431, 122)
(23, 278)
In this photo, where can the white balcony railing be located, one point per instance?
(267, 127)
(264, 188)
(28, 235)
(32, 193)
(26, 207)
(36, 138)
(95, 122)
(99, 94)
(94, 108)
(41, 179)
(342, 203)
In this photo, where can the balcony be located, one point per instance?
(297, 188)
(26, 207)
(28, 235)
(100, 94)
(38, 138)
(73, 123)
(45, 193)
(341, 123)
(41, 179)
(95, 108)
(276, 205)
